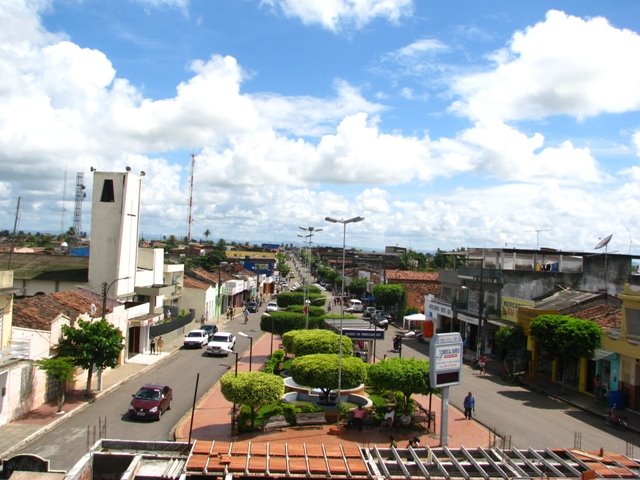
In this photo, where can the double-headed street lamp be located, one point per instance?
(242, 334)
(344, 253)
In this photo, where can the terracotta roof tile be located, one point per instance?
(297, 465)
(277, 464)
(257, 464)
(409, 275)
(191, 282)
(607, 316)
(221, 447)
(259, 449)
(40, 311)
(202, 446)
(277, 449)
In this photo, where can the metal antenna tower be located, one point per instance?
(190, 218)
(538, 234)
(77, 212)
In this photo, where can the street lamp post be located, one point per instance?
(218, 302)
(242, 334)
(406, 335)
(272, 324)
(344, 253)
(105, 291)
(235, 407)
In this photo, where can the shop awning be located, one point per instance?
(600, 354)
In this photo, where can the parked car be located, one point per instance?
(355, 306)
(368, 312)
(151, 401)
(272, 306)
(252, 307)
(210, 328)
(381, 319)
(221, 343)
(196, 338)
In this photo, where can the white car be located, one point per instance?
(196, 338)
(272, 306)
(221, 343)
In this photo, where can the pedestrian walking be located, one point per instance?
(153, 346)
(160, 344)
(229, 312)
(246, 315)
(469, 406)
(202, 320)
(482, 363)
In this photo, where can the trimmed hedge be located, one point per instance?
(286, 299)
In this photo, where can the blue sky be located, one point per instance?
(444, 123)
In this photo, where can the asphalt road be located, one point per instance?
(69, 441)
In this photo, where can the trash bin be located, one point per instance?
(617, 397)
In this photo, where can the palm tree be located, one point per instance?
(207, 234)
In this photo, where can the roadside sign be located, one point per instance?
(445, 359)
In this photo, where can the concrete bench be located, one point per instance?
(310, 419)
(277, 422)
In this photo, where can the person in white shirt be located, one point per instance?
(389, 418)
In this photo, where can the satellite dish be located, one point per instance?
(604, 242)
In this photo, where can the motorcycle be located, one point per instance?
(612, 418)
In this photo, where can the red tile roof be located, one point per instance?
(607, 316)
(40, 311)
(409, 275)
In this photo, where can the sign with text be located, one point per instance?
(364, 334)
(445, 357)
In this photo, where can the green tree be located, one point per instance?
(358, 287)
(406, 375)
(252, 389)
(91, 344)
(321, 371)
(329, 275)
(207, 234)
(59, 369)
(512, 340)
(282, 266)
(390, 297)
(309, 342)
(565, 338)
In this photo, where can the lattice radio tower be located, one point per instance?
(77, 212)
(190, 218)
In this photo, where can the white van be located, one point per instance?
(355, 306)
